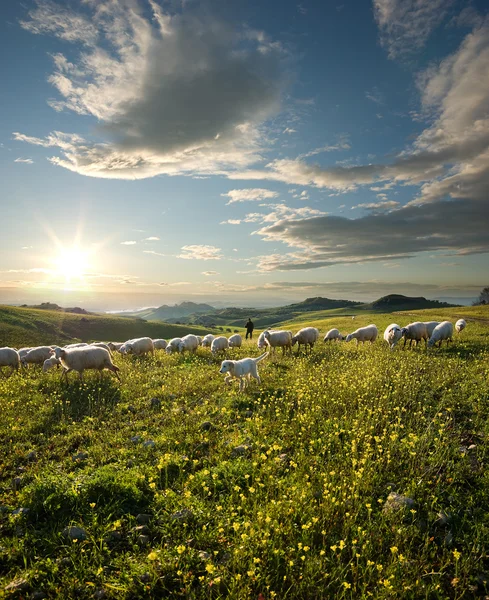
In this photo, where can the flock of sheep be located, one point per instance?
(98, 356)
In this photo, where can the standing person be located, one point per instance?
(249, 329)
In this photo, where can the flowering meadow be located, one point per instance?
(352, 472)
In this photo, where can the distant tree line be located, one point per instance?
(483, 297)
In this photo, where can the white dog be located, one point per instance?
(241, 369)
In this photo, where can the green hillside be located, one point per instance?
(27, 327)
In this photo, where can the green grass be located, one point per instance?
(296, 513)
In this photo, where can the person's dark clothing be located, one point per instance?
(249, 329)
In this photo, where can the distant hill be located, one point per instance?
(165, 312)
(51, 306)
(394, 302)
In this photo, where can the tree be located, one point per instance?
(483, 297)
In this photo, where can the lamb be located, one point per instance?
(414, 332)
(392, 335)
(242, 369)
(364, 334)
(173, 345)
(189, 342)
(235, 341)
(139, 346)
(333, 334)
(9, 358)
(307, 336)
(443, 331)
(49, 363)
(219, 344)
(460, 325)
(37, 356)
(160, 344)
(81, 359)
(430, 326)
(207, 340)
(279, 339)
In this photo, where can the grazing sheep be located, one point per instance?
(49, 363)
(219, 344)
(364, 334)
(81, 359)
(160, 344)
(443, 331)
(279, 339)
(235, 341)
(414, 332)
(242, 369)
(36, 356)
(102, 345)
(70, 346)
(307, 336)
(23, 351)
(207, 340)
(392, 335)
(199, 338)
(139, 346)
(333, 334)
(9, 358)
(173, 345)
(460, 325)
(430, 326)
(115, 346)
(189, 342)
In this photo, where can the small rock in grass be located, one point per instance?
(143, 519)
(143, 540)
(130, 463)
(37, 595)
(241, 450)
(207, 426)
(204, 555)
(155, 403)
(142, 529)
(100, 594)
(131, 408)
(80, 456)
(17, 585)
(149, 444)
(183, 514)
(248, 414)
(442, 519)
(136, 439)
(112, 537)
(20, 511)
(396, 502)
(16, 483)
(3, 510)
(75, 533)
(145, 578)
(31, 457)
(448, 541)
(284, 459)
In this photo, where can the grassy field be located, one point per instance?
(184, 488)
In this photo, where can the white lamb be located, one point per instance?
(173, 345)
(139, 346)
(189, 343)
(49, 363)
(37, 356)
(306, 337)
(219, 344)
(235, 341)
(460, 325)
(207, 340)
(333, 334)
(160, 344)
(415, 332)
(430, 326)
(279, 339)
(443, 331)
(364, 334)
(392, 335)
(9, 358)
(81, 359)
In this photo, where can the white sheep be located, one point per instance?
(23, 351)
(430, 326)
(415, 332)
(70, 346)
(9, 358)
(219, 344)
(189, 342)
(160, 344)
(460, 325)
(278, 339)
(49, 363)
(81, 359)
(138, 346)
(115, 346)
(102, 345)
(207, 340)
(173, 345)
(307, 336)
(392, 335)
(36, 356)
(333, 334)
(443, 331)
(364, 334)
(235, 341)
(199, 338)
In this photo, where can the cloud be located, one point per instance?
(343, 143)
(405, 25)
(200, 252)
(375, 95)
(289, 130)
(27, 161)
(129, 243)
(385, 205)
(231, 222)
(249, 195)
(172, 94)
(154, 253)
(210, 273)
(152, 238)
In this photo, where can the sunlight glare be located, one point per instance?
(71, 264)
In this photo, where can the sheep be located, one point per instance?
(443, 331)
(173, 345)
(115, 346)
(80, 359)
(189, 342)
(333, 334)
(139, 346)
(102, 345)
(199, 339)
(36, 356)
(364, 334)
(70, 346)
(160, 344)
(279, 339)
(392, 335)
(307, 336)
(414, 331)
(460, 325)
(9, 358)
(23, 351)
(219, 344)
(430, 326)
(207, 340)
(49, 363)
(235, 341)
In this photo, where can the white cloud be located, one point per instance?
(289, 130)
(152, 238)
(210, 273)
(200, 252)
(375, 95)
(343, 143)
(385, 205)
(231, 222)
(249, 195)
(153, 252)
(27, 161)
(128, 243)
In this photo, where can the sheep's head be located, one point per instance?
(349, 337)
(294, 340)
(181, 346)
(404, 330)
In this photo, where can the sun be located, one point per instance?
(71, 264)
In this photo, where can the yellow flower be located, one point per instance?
(152, 556)
(394, 549)
(346, 585)
(181, 549)
(92, 504)
(210, 568)
(457, 554)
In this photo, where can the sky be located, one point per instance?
(243, 153)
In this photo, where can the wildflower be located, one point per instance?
(152, 556)
(210, 568)
(346, 585)
(181, 549)
(457, 554)
(394, 549)
(92, 504)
